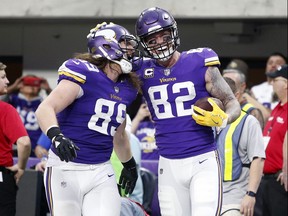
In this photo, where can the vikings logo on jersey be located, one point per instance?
(148, 144)
(146, 134)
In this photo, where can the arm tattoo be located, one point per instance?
(218, 88)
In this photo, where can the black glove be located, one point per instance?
(129, 176)
(66, 149)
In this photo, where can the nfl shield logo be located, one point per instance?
(116, 89)
(167, 72)
(63, 184)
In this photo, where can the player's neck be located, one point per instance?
(283, 99)
(170, 62)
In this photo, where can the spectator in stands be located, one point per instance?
(41, 151)
(12, 132)
(263, 92)
(240, 81)
(131, 208)
(240, 144)
(240, 65)
(273, 195)
(143, 128)
(25, 97)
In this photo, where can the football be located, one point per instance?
(205, 105)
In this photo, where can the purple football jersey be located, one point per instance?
(26, 109)
(92, 119)
(170, 94)
(146, 135)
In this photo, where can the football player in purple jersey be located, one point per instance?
(172, 81)
(84, 116)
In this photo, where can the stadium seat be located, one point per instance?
(149, 181)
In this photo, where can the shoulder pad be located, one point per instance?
(208, 55)
(73, 70)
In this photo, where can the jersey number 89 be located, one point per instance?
(104, 110)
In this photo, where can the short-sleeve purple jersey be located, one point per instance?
(26, 109)
(146, 135)
(170, 94)
(92, 119)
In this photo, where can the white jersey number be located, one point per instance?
(29, 119)
(104, 110)
(162, 103)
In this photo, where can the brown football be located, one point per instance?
(205, 105)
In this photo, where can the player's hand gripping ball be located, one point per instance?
(209, 111)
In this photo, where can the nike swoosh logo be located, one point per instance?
(110, 175)
(215, 122)
(200, 162)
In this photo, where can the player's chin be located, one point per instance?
(117, 72)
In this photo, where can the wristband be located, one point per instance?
(130, 164)
(251, 193)
(53, 131)
(44, 158)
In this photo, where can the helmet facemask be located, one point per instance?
(109, 48)
(125, 65)
(163, 51)
(129, 46)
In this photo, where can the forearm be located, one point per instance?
(255, 175)
(258, 115)
(122, 146)
(23, 150)
(285, 161)
(218, 88)
(55, 102)
(40, 151)
(11, 89)
(14, 87)
(46, 117)
(265, 111)
(232, 109)
(141, 114)
(135, 123)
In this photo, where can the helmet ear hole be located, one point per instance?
(106, 46)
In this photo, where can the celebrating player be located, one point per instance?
(83, 116)
(189, 168)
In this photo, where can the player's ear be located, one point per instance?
(237, 95)
(243, 87)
